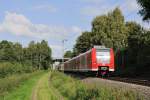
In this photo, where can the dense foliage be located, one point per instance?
(7, 69)
(68, 54)
(134, 60)
(109, 30)
(145, 9)
(83, 42)
(130, 41)
(37, 55)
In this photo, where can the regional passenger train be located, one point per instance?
(99, 60)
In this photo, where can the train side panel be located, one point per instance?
(112, 65)
(89, 60)
(94, 66)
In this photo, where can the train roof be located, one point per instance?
(96, 47)
(79, 55)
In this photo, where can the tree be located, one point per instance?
(45, 54)
(143, 56)
(138, 49)
(83, 43)
(18, 52)
(145, 9)
(68, 54)
(39, 54)
(6, 51)
(135, 32)
(32, 54)
(110, 30)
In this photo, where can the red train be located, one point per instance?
(98, 59)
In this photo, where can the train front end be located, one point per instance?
(104, 60)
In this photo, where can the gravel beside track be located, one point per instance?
(143, 90)
(139, 81)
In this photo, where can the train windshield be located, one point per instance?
(103, 56)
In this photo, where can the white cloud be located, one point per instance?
(48, 8)
(76, 29)
(129, 5)
(1, 29)
(96, 10)
(98, 7)
(19, 25)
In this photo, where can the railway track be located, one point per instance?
(138, 81)
(120, 84)
(140, 85)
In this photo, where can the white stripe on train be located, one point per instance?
(111, 69)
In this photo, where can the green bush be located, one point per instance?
(74, 89)
(11, 82)
(7, 68)
(8, 83)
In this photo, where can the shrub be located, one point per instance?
(7, 68)
(11, 82)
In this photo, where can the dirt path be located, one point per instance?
(44, 91)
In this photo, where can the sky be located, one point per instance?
(57, 20)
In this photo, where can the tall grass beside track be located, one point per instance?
(74, 89)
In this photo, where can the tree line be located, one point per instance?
(101, 25)
(38, 55)
(130, 41)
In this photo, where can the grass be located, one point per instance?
(23, 89)
(44, 91)
(74, 89)
(58, 86)
(37, 87)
